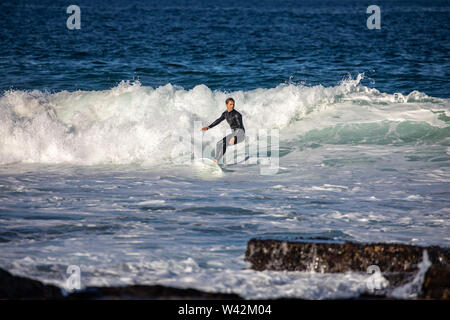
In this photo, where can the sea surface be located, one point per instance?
(100, 138)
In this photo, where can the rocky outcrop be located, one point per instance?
(436, 284)
(338, 257)
(398, 263)
(156, 292)
(16, 287)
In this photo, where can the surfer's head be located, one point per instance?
(230, 104)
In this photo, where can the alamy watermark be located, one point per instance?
(74, 20)
(374, 20)
(376, 281)
(73, 282)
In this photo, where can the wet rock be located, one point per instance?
(436, 284)
(16, 287)
(398, 263)
(147, 292)
(326, 257)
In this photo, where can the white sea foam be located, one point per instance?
(132, 123)
(357, 165)
(411, 289)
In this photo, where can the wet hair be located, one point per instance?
(228, 100)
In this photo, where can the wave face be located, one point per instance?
(131, 123)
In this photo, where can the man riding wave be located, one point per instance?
(234, 119)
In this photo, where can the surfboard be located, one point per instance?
(208, 161)
(207, 168)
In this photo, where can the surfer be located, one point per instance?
(234, 119)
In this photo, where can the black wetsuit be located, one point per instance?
(234, 119)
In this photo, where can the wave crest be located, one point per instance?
(132, 123)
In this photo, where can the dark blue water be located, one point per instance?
(233, 45)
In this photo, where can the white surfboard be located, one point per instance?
(207, 168)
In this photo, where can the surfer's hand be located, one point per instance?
(232, 141)
(205, 128)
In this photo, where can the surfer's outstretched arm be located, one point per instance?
(215, 123)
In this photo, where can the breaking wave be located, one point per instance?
(132, 123)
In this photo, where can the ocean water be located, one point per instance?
(98, 127)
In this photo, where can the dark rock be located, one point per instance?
(436, 284)
(15, 287)
(398, 263)
(339, 257)
(147, 292)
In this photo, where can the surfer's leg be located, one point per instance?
(239, 135)
(221, 146)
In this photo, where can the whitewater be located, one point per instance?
(132, 123)
(92, 178)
